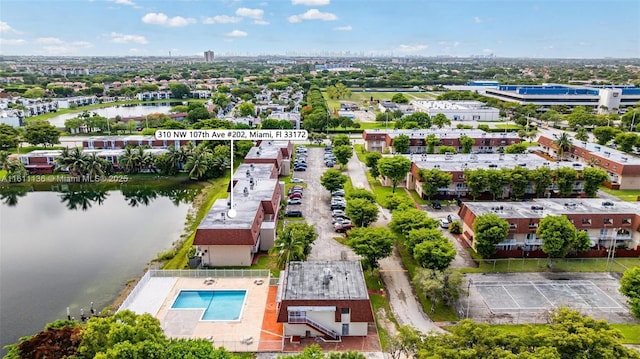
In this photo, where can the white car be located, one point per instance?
(297, 180)
(444, 223)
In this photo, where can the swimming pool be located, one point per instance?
(218, 304)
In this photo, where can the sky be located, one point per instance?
(504, 28)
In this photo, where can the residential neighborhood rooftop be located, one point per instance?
(322, 280)
(461, 162)
(441, 133)
(255, 170)
(541, 208)
(263, 152)
(608, 152)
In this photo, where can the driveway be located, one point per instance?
(404, 304)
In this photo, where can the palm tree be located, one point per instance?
(197, 163)
(94, 166)
(76, 162)
(288, 248)
(128, 161)
(564, 144)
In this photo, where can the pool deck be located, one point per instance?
(186, 323)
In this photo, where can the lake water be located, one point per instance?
(71, 248)
(111, 112)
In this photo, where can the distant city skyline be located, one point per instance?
(402, 28)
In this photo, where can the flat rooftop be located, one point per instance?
(246, 205)
(451, 105)
(324, 280)
(461, 162)
(264, 151)
(553, 206)
(608, 152)
(443, 133)
(255, 170)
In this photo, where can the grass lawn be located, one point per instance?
(443, 312)
(630, 332)
(359, 97)
(213, 191)
(378, 302)
(27, 149)
(508, 126)
(559, 265)
(625, 195)
(374, 125)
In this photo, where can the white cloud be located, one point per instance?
(236, 33)
(412, 48)
(118, 38)
(12, 41)
(311, 2)
(221, 19)
(164, 20)
(343, 28)
(83, 44)
(124, 2)
(49, 40)
(261, 22)
(313, 14)
(487, 51)
(477, 20)
(6, 28)
(250, 13)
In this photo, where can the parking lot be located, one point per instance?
(315, 208)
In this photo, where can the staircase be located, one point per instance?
(317, 326)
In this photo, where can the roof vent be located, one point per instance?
(251, 165)
(248, 173)
(607, 204)
(326, 276)
(223, 216)
(245, 191)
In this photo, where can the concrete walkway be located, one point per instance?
(404, 304)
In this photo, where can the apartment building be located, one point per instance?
(119, 142)
(484, 142)
(623, 168)
(609, 224)
(327, 299)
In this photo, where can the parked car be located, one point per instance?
(298, 169)
(295, 195)
(329, 163)
(337, 212)
(342, 228)
(295, 190)
(444, 223)
(453, 218)
(339, 193)
(297, 180)
(341, 220)
(294, 201)
(341, 206)
(293, 214)
(436, 205)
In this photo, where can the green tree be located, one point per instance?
(372, 244)
(542, 178)
(397, 201)
(399, 98)
(371, 161)
(220, 99)
(341, 140)
(435, 254)
(41, 133)
(630, 288)
(401, 144)
(246, 109)
(516, 148)
(294, 243)
(604, 134)
(497, 180)
(196, 114)
(593, 179)
(419, 235)
(431, 141)
(519, 180)
(179, 90)
(489, 230)
(343, 154)
(333, 180)
(362, 193)
(467, 143)
(582, 135)
(394, 168)
(477, 181)
(626, 141)
(560, 237)
(439, 286)
(402, 222)
(565, 179)
(447, 149)
(8, 137)
(34, 92)
(362, 212)
(433, 180)
(440, 120)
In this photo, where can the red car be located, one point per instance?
(343, 228)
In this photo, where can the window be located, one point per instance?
(586, 221)
(626, 221)
(608, 221)
(513, 226)
(345, 310)
(461, 176)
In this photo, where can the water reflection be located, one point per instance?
(84, 196)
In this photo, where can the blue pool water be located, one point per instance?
(218, 304)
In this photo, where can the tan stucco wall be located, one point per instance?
(221, 256)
